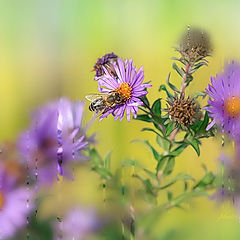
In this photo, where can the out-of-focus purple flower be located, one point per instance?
(54, 139)
(106, 61)
(224, 108)
(78, 224)
(128, 82)
(15, 205)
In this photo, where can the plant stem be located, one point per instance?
(187, 69)
(173, 134)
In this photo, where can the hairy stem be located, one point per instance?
(187, 69)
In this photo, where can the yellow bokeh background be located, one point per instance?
(48, 48)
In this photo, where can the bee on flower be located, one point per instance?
(123, 91)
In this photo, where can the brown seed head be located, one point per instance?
(194, 44)
(183, 111)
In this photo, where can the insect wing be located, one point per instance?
(93, 97)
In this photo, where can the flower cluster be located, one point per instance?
(54, 139)
(15, 204)
(78, 224)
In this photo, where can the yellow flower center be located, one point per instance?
(125, 91)
(232, 106)
(1, 200)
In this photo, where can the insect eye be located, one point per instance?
(118, 98)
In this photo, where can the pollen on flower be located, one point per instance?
(232, 106)
(1, 200)
(125, 90)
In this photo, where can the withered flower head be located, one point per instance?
(106, 61)
(194, 45)
(183, 111)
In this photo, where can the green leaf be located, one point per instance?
(95, 157)
(162, 162)
(169, 196)
(107, 161)
(144, 117)
(179, 149)
(104, 173)
(163, 88)
(200, 94)
(204, 124)
(187, 196)
(158, 127)
(145, 101)
(156, 108)
(156, 155)
(173, 87)
(170, 127)
(178, 70)
(163, 142)
(149, 187)
(147, 183)
(197, 66)
(180, 177)
(169, 166)
(195, 144)
(205, 181)
(150, 130)
(150, 173)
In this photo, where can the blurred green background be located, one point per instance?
(48, 49)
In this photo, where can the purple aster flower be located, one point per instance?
(54, 139)
(15, 205)
(78, 224)
(128, 83)
(224, 92)
(106, 61)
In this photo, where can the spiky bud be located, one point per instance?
(183, 111)
(106, 61)
(194, 45)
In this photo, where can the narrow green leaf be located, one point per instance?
(180, 177)
(169, 166)
(200, 94)
(145, 101)
(163, 142)
(178, 70)
(95, 157)
(156, 155)
(173, 87)
(156, 108)
(107, 161)
(144, 117)
(163, 88)
(170, 127)
(204, 124)
(205, 181)
(162, 162)
(195, 144)
(104, 173)
(179, 149)
(150, 173)
(149, 187)
(150, 130)
(169, 196)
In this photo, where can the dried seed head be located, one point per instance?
(195, 44)
(183, 111)
(106, 61)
